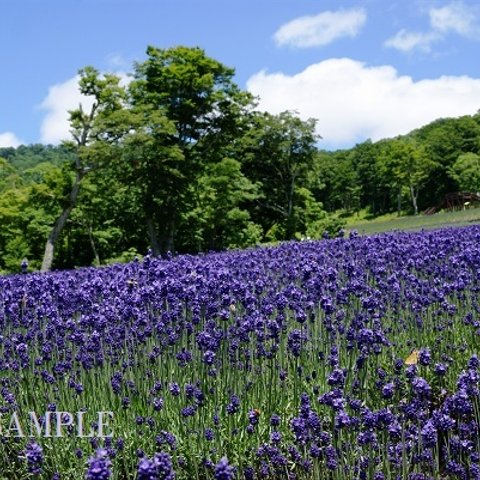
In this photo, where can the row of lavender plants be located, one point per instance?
(350, 358)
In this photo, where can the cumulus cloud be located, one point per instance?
(9, 139)
(62, 98)
(353, 101)
(455, 17)
(321, 29)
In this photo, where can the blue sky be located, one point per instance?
(364, 69)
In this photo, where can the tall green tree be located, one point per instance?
(278, 153)
(375, 190)
(204, 108)
(89, 130)
(151, 165)
(408, 166)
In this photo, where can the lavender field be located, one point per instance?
(349, 358)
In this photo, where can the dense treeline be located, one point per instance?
(410, 172)
(179, 160)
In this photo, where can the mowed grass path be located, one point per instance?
(443, 219)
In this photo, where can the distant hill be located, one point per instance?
(28, 156)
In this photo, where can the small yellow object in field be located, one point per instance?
(412, 359)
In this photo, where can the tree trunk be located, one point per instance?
(92, 244)
(59, 224)
(170, 237)
(152, 233)
(414, 196)
(399, 202)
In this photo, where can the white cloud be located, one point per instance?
(455, 17)
(354, 102)
(407, 41)
(9, 139)
(321, 29)
(60, 99)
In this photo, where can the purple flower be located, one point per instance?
(166, 438)
(34, 456)
(429, 435)
(209, 357)
(249, 473)
(337, 378)
(440, 369)
(411, 371)
(421, 387)
(315, 451)
(388, 390)
(174, 389)
(157, 404)
(158, 468)
(234, 405)
(224, 471)
(456, 469)
(295, 342)
(253, 417)
(459, 403)
(366, 337)
(147, 470)
(331, 455)
(275, 437)
(342, 419)
(473, 362)
(189, 411)
(275, 420)
(424, 357)
(99, 466)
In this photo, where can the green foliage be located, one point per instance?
(341, 188)
(405, 167)
(24, 228)
(315, 221)
(278, 153)
(127, 256)
(466, 172)
(219, 218)
(375, 193)
(329, 226)
(404, 174)
(179, 160)
(444, 141)
(186, 110)
(25, 157)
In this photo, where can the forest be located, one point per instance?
(179, 160)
